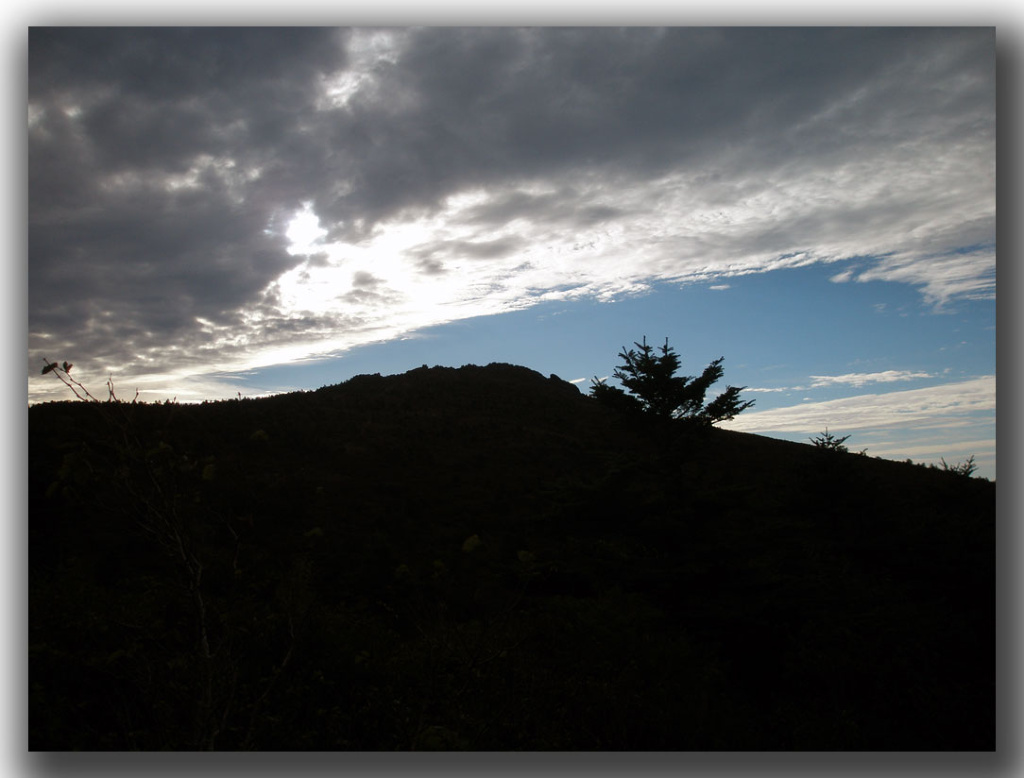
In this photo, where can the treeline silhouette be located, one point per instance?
(484, 558)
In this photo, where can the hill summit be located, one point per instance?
(484, 558)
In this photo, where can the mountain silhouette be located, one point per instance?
(484, 558)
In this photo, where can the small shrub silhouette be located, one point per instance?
(830, 442)
(965, 469)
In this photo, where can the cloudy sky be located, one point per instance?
(224, 211)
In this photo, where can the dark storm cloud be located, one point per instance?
(366, 289)
(431, 256)
(488, 105)
(559, 207)
(176, 64)
(118, 115)
(363, 279)
(165, 163)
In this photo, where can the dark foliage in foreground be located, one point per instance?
(482, 558)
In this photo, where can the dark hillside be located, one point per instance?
(484, 558)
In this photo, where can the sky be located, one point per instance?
(215, 213)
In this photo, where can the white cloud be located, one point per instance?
(946, 405)
(942, 278)
(848, 379)
(933, 450)
(861, 379)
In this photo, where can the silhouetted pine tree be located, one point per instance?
(655, 388)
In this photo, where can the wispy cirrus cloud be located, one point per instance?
(862, 379)
(848, 379)
(967, 273)
(944, 406)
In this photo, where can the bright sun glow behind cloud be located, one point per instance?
(459, 260)
(304, 231)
